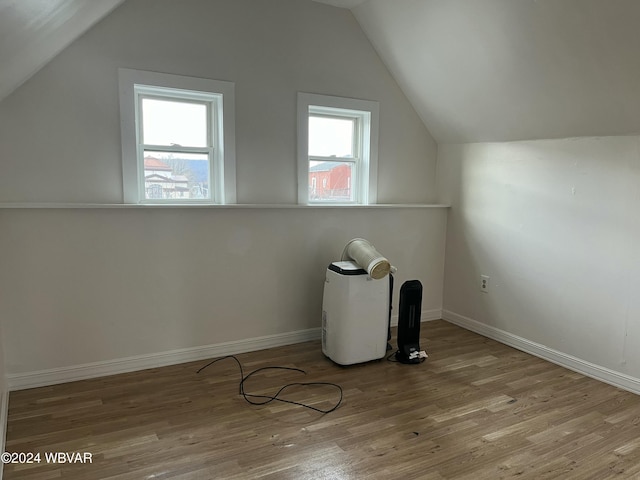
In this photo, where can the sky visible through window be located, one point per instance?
(330, 137)
(167, 122)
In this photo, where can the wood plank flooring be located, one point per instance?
(474, 410)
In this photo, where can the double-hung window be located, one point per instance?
(177, 139)
(337, 150)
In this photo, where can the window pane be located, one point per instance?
(331, 181)
(168, 122)
(329, 136)
(179, 176)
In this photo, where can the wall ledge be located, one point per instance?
(235, 206)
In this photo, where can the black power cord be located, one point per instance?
(270, 398)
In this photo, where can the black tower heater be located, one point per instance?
(409, 322)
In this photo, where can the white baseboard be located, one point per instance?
(425, 316)
(617, 379)
(20, 381)
(42, 378)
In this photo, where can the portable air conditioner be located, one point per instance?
(355, 314)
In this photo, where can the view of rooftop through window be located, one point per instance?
(177, 140)
(331, 142)
(176, 176)
(177, 143)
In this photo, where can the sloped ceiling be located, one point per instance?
(500, 70)
(32, 32)
(474, 70)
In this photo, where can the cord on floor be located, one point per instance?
(270, 398)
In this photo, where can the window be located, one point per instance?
(337, 149)
(178, 139)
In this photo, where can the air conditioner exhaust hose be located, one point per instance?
(364, 254)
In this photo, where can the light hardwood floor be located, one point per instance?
(475, 409)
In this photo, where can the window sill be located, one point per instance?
(235, 206)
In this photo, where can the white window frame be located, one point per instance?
(220, 97)
(366, 115)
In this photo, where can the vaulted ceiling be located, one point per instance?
(32, 32)
(499, 70)
(474, 70)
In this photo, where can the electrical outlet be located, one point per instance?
(484, 283)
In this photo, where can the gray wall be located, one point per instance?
(555, 225)
(60, 132)
(91, 285)
(82, 285)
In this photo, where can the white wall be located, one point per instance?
(92, 285)
(555, 225)
(60, 132)
(85, 285)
